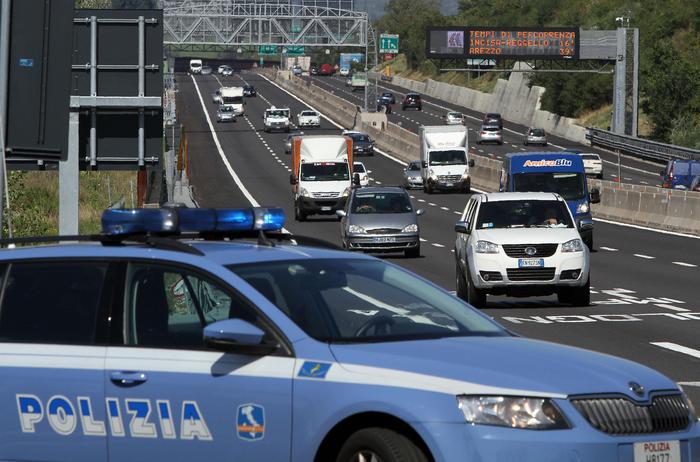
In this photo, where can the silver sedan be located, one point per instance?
(490, 134)
(412, 177)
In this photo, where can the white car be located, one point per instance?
(344, 71)
(592, 164)
(220, 69)
(454, 118)
(359, 168)
(520, 244)
(309, 118)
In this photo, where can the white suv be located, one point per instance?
(520, 244)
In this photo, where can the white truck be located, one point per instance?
(321, 175)
(445, 159)
(277, 119)
(358, 81)
(195, 66)
(233, 96)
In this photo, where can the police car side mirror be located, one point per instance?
(462, 227)
(236, 335)
(594, 196)
(471, 162)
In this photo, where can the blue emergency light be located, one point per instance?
(186, 220)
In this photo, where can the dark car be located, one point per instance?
(387, 98)
(313, 70)
(362, 144)
(679, 173)
(249, 90)
(493, 118)
(412, 100)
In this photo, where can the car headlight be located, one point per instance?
(304, 192)
(693, 412)
(346, 192)
(582, 207)
(512, 411)
(355, 229)
(485, 247)
(410, 229)
(574, 245)
(465, 175)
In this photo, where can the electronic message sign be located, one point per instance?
(502, 42)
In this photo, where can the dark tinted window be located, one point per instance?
(537, 132)
(448, 158)
(523, 214)
(381, 203)
(414, 167)
(52, 302)
(571, 186)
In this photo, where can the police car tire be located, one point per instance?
(387, 445)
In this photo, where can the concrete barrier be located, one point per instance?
(648, 206)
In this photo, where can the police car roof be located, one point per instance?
(521, 196)
(220, 252)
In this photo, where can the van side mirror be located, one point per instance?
(340, 213)
(292, 179)
(471, 162)
(594, 196)
(462, 227)
(424, 164)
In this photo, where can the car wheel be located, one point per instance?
(460, 285)
(412, 253)
(600, 177)
(299, 215)
(475, 297)
(581, 296)
(467, 187)
(429, 189)
(379, 444)
(588, 240)
(525, 143)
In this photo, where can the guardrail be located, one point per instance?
(639, 147)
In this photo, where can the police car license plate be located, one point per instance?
(384, 239)
(657, 451)
(530, 262)
(325, 208)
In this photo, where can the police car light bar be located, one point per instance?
(184, 220)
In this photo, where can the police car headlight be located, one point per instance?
(485, 247)
(582, 208)
(513, 412)
(354, 229)
(574, 245)
(410, 229)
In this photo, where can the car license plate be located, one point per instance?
(449, 185)
(657, 451)
(530, 262)
(384, 239)
(325, 208)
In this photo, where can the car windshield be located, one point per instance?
(524, 214)
(590, 156)
(309, 114)
(278, 113)
(358, 301)
(358, 168)
(232, 99)
(359, 137)
(414, 167)
(448, 158)
(537, 132)
(249, 88)
(325, 171)
(454, 114)
(225, 108)
(490, 129)
(387, 95)
(571, 186)
(381, 203)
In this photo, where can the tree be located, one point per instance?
(94, 4)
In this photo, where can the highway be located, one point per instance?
(645, 305)
(632, 171)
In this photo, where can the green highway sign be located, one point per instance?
(389, 43)
(268, 50)
(294, 50)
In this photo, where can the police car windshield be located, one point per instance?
(571, 186)
(325, 171)
(523, 214)
(447, 158)
(353, 300)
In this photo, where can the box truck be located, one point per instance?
(445, 159)
(233, 96)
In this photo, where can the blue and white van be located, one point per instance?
(559, 172)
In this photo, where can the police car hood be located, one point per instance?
(507, 365)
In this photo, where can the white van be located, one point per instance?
(233, 96)
(195, 66)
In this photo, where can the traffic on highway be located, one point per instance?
(348, 275)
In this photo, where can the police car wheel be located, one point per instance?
(379, 445)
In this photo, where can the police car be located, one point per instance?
(201, 334)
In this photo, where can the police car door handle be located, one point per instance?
(128, 378)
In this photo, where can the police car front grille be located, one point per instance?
(541, 250)
(530, 274)
(452, 178)
(621, 416)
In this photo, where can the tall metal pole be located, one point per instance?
(366, 59)
(4, 74)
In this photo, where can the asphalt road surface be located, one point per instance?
(644, 283)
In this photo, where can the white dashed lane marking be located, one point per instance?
(435, 244)
(670, 307)
(687, 265)
(646, 257)
(678, 348)
(609, 249)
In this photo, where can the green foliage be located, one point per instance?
(572, 94)
(686, 131)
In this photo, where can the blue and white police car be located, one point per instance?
(200, 334)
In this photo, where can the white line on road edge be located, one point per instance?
(230, 169)
(678, 348)
(387, 155)
(687, 265)
(645, 228)
(689, 384)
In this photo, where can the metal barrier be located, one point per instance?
(639, 147)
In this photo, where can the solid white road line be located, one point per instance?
(687, 265)
(645, 228)
(689, 384)
(678, 348)
(670, 307)
(230, 169)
